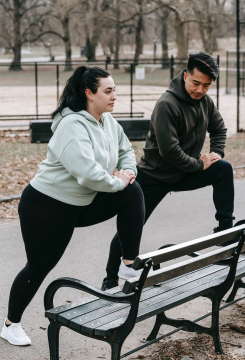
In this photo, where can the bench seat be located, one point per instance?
(95, 316)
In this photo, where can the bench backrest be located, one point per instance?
(183, 249)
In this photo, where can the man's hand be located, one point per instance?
(209, 159)
(126, 176)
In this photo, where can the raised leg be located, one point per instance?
(53, 339)
(237, 285)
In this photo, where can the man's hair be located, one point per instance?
(204, 63)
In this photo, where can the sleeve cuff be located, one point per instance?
(122, 185)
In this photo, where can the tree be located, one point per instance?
(163, 15)
(21, 24)
(61, 11)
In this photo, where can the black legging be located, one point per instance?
(47, 226)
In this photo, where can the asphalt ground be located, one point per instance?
(178, 218)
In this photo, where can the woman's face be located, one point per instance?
(104, 99)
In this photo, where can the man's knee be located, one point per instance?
(223, 166)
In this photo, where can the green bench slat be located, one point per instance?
(93, 315)
(147, 293)
(160, 306)
(53, 313)
(153, 295)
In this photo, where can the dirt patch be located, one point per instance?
(20, 159)
(200, 346)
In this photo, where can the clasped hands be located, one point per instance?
(209, 159)
(125, 175)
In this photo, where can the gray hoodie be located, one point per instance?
(82, 155)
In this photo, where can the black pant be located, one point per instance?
(219, 175)
(47, 226)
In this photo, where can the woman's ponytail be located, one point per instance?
(73, 95)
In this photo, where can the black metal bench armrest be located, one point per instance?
(80, 285)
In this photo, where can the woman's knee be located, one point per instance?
(134, 193)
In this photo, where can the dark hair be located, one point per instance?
(73, 95)
(204, 63)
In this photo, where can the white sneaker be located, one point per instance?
(127, 272)
(15, 335)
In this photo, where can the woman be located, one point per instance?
(76, 186)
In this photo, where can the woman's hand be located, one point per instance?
(126, 176)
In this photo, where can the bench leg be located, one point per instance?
(53, 339)
(214, 330)
(237, 285)
(190, 326)
(156, 328)
(116, 349)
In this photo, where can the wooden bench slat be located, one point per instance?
(145, 310)
(147, 293)
(86, 309)
(53, 313)
(181, 268)
(146, 303)
(160, 306)
(188, 247)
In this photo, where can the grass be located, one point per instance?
(20, 159)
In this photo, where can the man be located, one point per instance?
(172, 159)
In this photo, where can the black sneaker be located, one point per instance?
(230, 242)
(109, 284)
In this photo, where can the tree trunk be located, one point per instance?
(205, 43)
(89, 49)
(118, 35)
(182, 51)
(15, 65)
(65, 24)
(138, 40)
(164, 37)
(111, 46)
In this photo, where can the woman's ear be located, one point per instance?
(89, 94)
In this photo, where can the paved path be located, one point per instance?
(180, 217)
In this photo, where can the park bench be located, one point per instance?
(110, 316)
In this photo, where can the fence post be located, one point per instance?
(58, 83)
(36, 85)
(227, 73)
(238, 62)
(172, 67)
(217, 105)
(131, 89)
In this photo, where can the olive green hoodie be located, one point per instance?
(82, 155)
(177, 133)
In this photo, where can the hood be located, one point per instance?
(67, 111)
(177, 88)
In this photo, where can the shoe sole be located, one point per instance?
(11, 342)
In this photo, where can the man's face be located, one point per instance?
(197, 84)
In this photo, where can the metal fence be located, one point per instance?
(231, 72)
(43, 76)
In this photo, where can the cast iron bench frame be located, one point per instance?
(123, 317)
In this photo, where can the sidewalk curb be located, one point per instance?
(9, 198)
